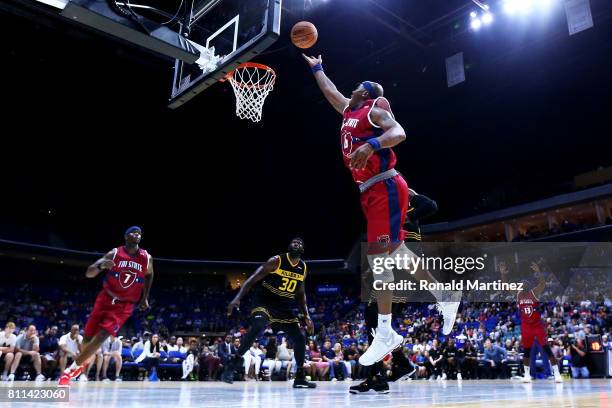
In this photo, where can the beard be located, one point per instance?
(296, 253)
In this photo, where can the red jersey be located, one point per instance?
(357, 129)
(125, 280)
(528, 305)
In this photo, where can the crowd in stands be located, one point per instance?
(540, 232)
(42, 336)
(566, 226)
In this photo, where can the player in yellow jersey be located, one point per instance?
(279, 287)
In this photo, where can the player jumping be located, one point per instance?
(532, 327)
(128, 280)
(280, 287)
(368, 133)
(420, 207)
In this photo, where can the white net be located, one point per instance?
(251, 83)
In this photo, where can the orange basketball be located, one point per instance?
(304, 34)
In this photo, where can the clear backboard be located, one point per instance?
(227, 33)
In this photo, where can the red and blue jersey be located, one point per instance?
(357, 129)
(125, 280)
(528, 306)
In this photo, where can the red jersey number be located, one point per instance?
(127, 278)
(347, 143)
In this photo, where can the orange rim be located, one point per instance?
(248, 65)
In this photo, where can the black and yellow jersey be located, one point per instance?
(282, 284)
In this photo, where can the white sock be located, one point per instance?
(384, 324)
(526, 371)
(555, 369)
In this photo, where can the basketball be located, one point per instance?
(304, 34)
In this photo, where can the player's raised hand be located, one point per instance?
(312, 61)
(359, 158)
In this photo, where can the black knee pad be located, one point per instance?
(259, 321)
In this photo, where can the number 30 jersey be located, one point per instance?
(280, 286)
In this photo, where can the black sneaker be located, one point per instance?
(232, 366)
(377, 384)
(228, 375)
(302, 383)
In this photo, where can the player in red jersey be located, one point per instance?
(128, 280)
(532, 327)
(369, 132)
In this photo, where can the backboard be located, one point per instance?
(237, 30)
(151, 25)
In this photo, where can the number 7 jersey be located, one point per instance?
(281, 285)
(125, 280)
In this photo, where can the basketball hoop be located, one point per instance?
(252, 83)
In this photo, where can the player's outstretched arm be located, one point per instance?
(270, 266)
(102, 264)
(144, 302)
(393, 135)
(331, 93)
(541, 286)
